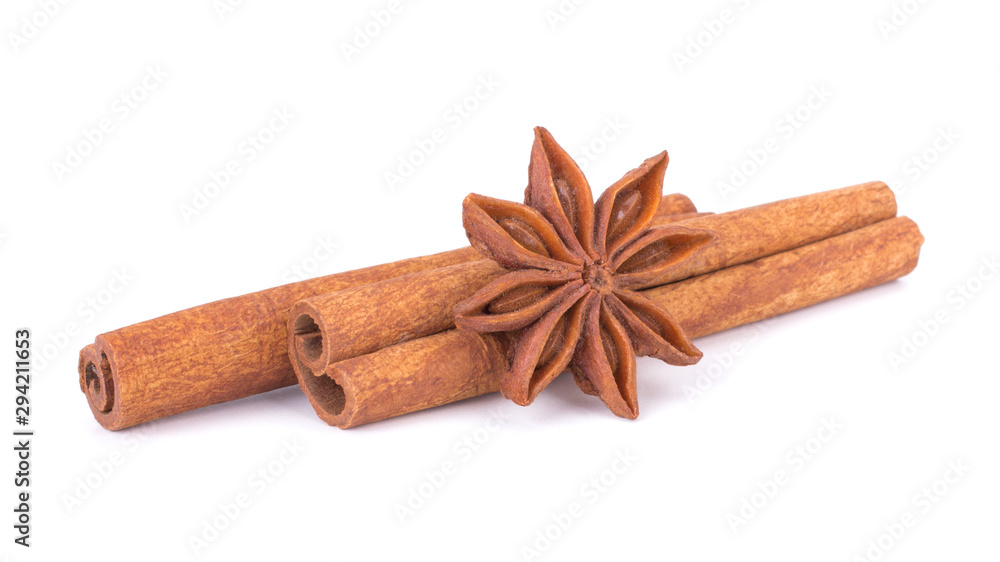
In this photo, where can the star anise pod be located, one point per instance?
(571, 297)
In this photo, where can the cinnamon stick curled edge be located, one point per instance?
(225, 350)
(455, 365)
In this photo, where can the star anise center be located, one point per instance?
(599, 276)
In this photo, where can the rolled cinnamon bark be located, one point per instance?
(227, 349)
(87, 367)
(363, 319)
(455, 365)
(337, 326)
(765, 288)
(749, 234)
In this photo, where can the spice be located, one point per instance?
(227, 349)
(454, 365)
(339, 326)
(570, 297)
(213, 353)
(336, 326)
(561, 282)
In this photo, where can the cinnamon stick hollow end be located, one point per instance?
(307, 343)
(357, 321)
(309, 351)
(420, 374)
(93, 381)
(326, 395)
(85, 355)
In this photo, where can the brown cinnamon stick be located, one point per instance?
(748, 234)
(822, 271)
(357, 321)
(339, 325)
(227, 349)
(455, 365)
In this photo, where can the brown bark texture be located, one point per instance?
(455, 365)
(363, 319)
(224, 350)
(362, 387)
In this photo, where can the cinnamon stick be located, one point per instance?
(822, 271)
(754, 232)
(340, 325)
(337, 326)
(227, 349)
(455, 365)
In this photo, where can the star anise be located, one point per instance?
(571, 297)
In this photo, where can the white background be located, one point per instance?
(892, 92)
